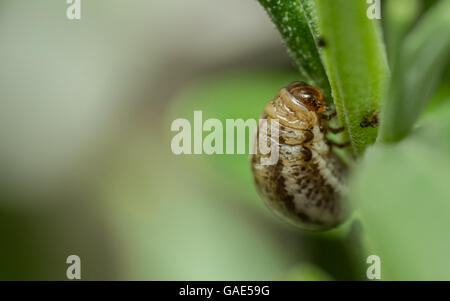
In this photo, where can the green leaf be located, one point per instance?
(417, 72)
(290, 19)
(355, 61)
(403, 197)
(307, 272)
(398, 16)
(442, 93)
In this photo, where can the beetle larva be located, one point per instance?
(305, 184)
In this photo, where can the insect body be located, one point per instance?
(305, 184)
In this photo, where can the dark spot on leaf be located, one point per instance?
(321, 42)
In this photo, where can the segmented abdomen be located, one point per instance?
(303, 187)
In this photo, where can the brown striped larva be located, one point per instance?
(305, 185)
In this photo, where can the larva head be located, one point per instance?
(297, 106)
(307, 95)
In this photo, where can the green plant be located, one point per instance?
(399, 185)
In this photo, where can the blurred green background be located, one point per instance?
(86, 165)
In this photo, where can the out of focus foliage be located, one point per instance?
(87, 169)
